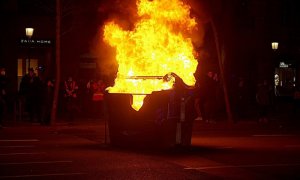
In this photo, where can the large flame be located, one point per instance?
(160, 43)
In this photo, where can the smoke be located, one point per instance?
(123, 13)
(105, 55)
(199, 10)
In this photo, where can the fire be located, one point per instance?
(159, 43)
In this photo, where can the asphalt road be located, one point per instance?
(79, 151)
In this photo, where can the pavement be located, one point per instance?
(283, 122)
(283, 125)
(77, 150)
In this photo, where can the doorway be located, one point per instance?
(23, 66)
(285, 81)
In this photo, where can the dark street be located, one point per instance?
(246, 150)
(149, 89)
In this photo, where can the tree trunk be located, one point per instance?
(57, 61)
(220, 60)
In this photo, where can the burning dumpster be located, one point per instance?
(164, 120)
(147, 103)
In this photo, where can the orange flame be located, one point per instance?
(160, 43)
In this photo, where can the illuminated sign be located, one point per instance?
(36, 42)
(283, 65)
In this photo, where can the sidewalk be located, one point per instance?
(59, 122)
(282, 125)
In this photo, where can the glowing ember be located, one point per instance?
(160, 43)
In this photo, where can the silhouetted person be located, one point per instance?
(48, 100)
(200, 99)
(31, 89)
(297, 102)
(263, 99)
(97, 89)
(206, 96)
(240, 97)
(210, 94)
(71, 97)
(3, 93)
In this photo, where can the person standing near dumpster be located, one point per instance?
(263, 100)
(31, 91)
(3, 94)
(70, 95)
(97, 89)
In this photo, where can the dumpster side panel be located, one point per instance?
(147, 127)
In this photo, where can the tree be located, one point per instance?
(57, 61)
(221, 57)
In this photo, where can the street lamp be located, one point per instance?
(276, 76)
(29, 33)
(274, 45)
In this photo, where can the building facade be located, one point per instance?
(20, 52)
(246, 29)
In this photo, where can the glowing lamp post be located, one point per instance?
(276, 77)
(29, 33)
(274, 45)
